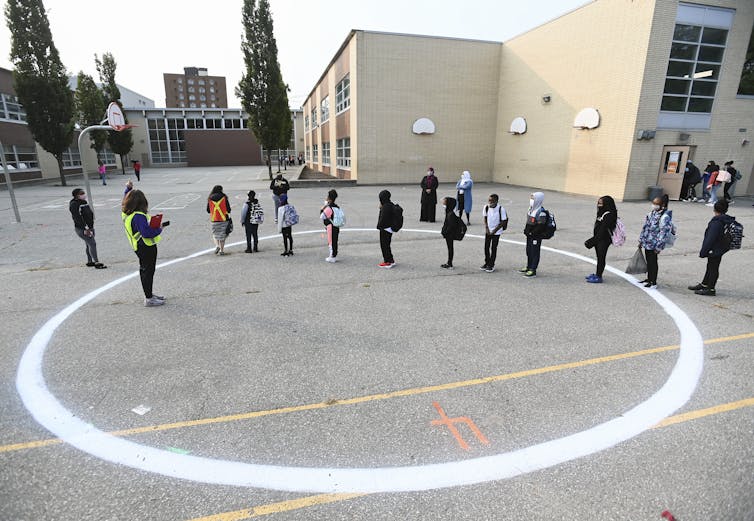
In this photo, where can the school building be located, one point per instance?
(611, 98)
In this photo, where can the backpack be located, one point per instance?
(619, 233)
(671, 237)
(290, 217)
(461, 230)
(338, 217)
(257, 214)
(549, 230)
(397, 218)
(733, 233)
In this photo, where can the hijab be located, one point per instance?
(466, 176)
(538, 198)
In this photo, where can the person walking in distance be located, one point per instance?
(385, 226)
(429, 186)
(102, 170)
(729, 184)
(143, 239)
(83, 225)
(495, 222)
(602, 235)
(327, 213)
(252, 216)
(137, 170)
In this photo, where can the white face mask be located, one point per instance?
(531, 203)
(655, 207)
(82, 197)
(444, 206)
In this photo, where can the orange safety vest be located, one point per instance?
(219, 210)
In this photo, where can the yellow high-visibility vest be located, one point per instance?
(135, 237)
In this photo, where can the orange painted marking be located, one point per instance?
(449, 423)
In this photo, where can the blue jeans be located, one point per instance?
(705, 181)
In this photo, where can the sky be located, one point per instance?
(150, 37)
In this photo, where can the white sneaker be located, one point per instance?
(158, 297)
(710, 204)
(152, 302)
(331, 259)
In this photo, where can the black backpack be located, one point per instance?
(397, 217)
(551, 226)
(461, 230)
(733, 233)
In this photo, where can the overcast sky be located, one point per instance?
(151, 37)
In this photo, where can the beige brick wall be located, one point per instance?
(591, 57)
(722, 142)
(401, 78)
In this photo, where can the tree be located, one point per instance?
(120, 142)
(90, 108)
(263, 93)
(746, 86)
(40, 79)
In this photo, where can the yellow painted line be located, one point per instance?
(381, 396)
(308, 501)
(701, 413)
(276, 508)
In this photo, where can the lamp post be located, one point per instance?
(9, 184)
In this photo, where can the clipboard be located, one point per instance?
(155, 221)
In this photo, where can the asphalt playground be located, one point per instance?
(292, 388)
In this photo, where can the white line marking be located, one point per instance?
(177, 202)
(50, 413)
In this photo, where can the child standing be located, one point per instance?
(326, 214)
(495, 221)
(251, 217)
(451, 228)
(287, 218)
(535, 230)
(102, 172)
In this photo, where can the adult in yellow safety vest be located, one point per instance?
(218, 208)
(143, 239)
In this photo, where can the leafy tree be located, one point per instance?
(120, 142)
(263, 93)
(90, 107)
(746, 86)
(40, 79)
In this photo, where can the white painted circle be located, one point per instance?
(50, 413)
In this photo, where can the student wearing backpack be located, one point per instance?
(385, 223)
(327, 214)
(714, 247)
(654, 235)
(252, 216)
(536, 229)
(495, 221)
(287, 218)
(218, 208)
(602, 235)
(452, 229)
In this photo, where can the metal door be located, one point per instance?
(672, 167)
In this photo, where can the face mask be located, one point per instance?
(531, 203)
(444, 206)
(599, 206)
(655, 207)
(491, 205)
(82, 197)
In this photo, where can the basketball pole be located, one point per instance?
(83, 169)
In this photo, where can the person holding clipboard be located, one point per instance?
(143, 232)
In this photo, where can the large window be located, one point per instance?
(314, 117)
(344, 152)
(325, 105)
(342, 95)
(21, 158)
(107, 156)
(167, 141)
(326, 153)
(306, 123)
(696, 56)
(71, 158)
(315, 154)
(746, 87)
(10, 108)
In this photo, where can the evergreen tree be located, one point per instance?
(90, 107)
(263, 93)
(121, 142)
(746, 86)
(40, 79)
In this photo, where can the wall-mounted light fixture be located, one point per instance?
(546, 98)
(683, 136)
(744, 142)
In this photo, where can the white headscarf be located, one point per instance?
(465, 176)
(538, 197)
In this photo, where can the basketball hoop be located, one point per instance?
(115, 118)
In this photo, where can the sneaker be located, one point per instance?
(90, 264)
(523, 270)
(710, 204)
(247, 250)
(651, 285)
(530, 273)
(284, 254)
(697, 287)
(331, 259)
(490, 269)
(706, 291)
(594, 275)
(594, 280)
(152, 302)
(483, 267)
(158, 297)
(643, 281)
(386, 265)
(447, 266)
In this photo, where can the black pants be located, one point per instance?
(251, 233)
(725, 190)
(449, 243)
(652, 266)
(385, 239)
(692, 190)
(713, 271)
(147, 261)
(601, 249)
(335, 232)
(287, 238)
(533, 247)
(490, 249)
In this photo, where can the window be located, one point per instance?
(181, 96)
(315, 155)
(21, 158)
(180, 80)
(344, 152)
(190, 82)
(696, 55)
(201, 82)
(212, 89)
(202, 90)
(107, 157)
(71, 158)
(306, 123)
(307, 154)
(343, 95)
(326, 153)
(746, 86)
(325, 107)
(314, 118)
(167, 140)
(11, 109)
(191, 89)
(211, 82)
(192, 98)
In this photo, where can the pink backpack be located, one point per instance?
(619, 233)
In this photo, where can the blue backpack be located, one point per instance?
(290, 217)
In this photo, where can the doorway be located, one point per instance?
(672, 168)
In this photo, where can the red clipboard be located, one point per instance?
(155, 221)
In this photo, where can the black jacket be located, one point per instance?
(82, 214)
(713, 244)
(387, 211)
(452, 225)
(603, 229)
(279, 186)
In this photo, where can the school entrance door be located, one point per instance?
(672, 168)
